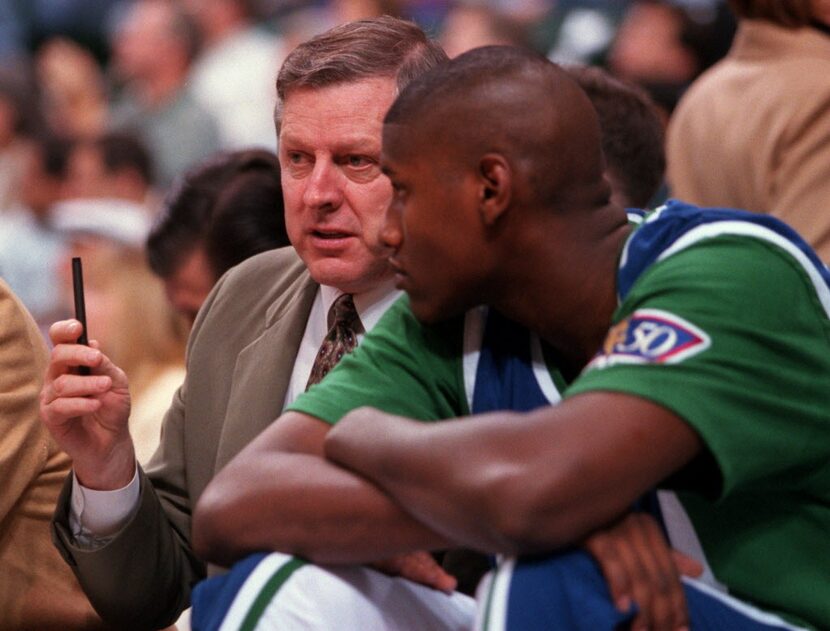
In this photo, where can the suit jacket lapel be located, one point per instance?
(263, 371)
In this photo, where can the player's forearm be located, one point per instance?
(517, 482)
(303, 505)
(450, 479)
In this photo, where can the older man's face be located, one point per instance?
(335, 194)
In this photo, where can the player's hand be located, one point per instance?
(419, 567)
(640, 568)
(87, 415)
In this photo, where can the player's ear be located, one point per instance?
(495, 181)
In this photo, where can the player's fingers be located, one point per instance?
(645, 586)
(424, 569)
(686, 565)
(601, 547)
(669, 605)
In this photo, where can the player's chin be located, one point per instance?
(426, 310)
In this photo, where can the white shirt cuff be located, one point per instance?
(95, 516)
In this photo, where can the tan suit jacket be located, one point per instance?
(239, 361)
(753, 132)
(37, 590)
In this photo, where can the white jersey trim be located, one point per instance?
(474, 321)
(493, 593)
(251, 589)
(744, 228)
(540, 370)
(683, 536)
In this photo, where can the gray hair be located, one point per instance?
(379, 47)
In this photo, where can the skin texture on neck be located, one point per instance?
(581, 265)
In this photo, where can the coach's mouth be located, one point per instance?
(330, 234)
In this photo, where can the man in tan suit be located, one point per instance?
(126, 531)
(37, 590)
(753, 131)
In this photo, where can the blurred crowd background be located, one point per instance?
(189, 77)
(105, 104)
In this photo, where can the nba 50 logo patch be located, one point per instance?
(650, 336)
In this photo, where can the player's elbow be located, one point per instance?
(210, 535)
(529, 512)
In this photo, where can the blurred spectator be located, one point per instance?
(312, 18)
(583, 31)
(632, 136)
(12, 32)
(30, 246)
(663, 45)
(219, 214)
(17, 122)
(38, 590)
(83, 21)
(754, 131)
(234, 77)
(153, 48)
(115, 165)
(73, 90)
(470, 25)
(351, 10)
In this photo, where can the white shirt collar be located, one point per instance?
(370, 305)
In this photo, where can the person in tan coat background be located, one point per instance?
(37, 589)
(754, 131)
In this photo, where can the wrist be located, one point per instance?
(110, 473)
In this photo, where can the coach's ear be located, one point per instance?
(496, 181)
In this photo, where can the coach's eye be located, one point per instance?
(358, 162)
(298, 163)
(360, 168)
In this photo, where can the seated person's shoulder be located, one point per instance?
(241, 300)
(18, 330)
(269, 272)
(255, 284)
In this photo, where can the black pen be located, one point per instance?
(80, 306)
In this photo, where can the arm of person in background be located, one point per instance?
(799, 186)
(43, 594)
(22, 360)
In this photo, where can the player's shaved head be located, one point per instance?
(510, 101)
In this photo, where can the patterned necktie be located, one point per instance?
(341, 338)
